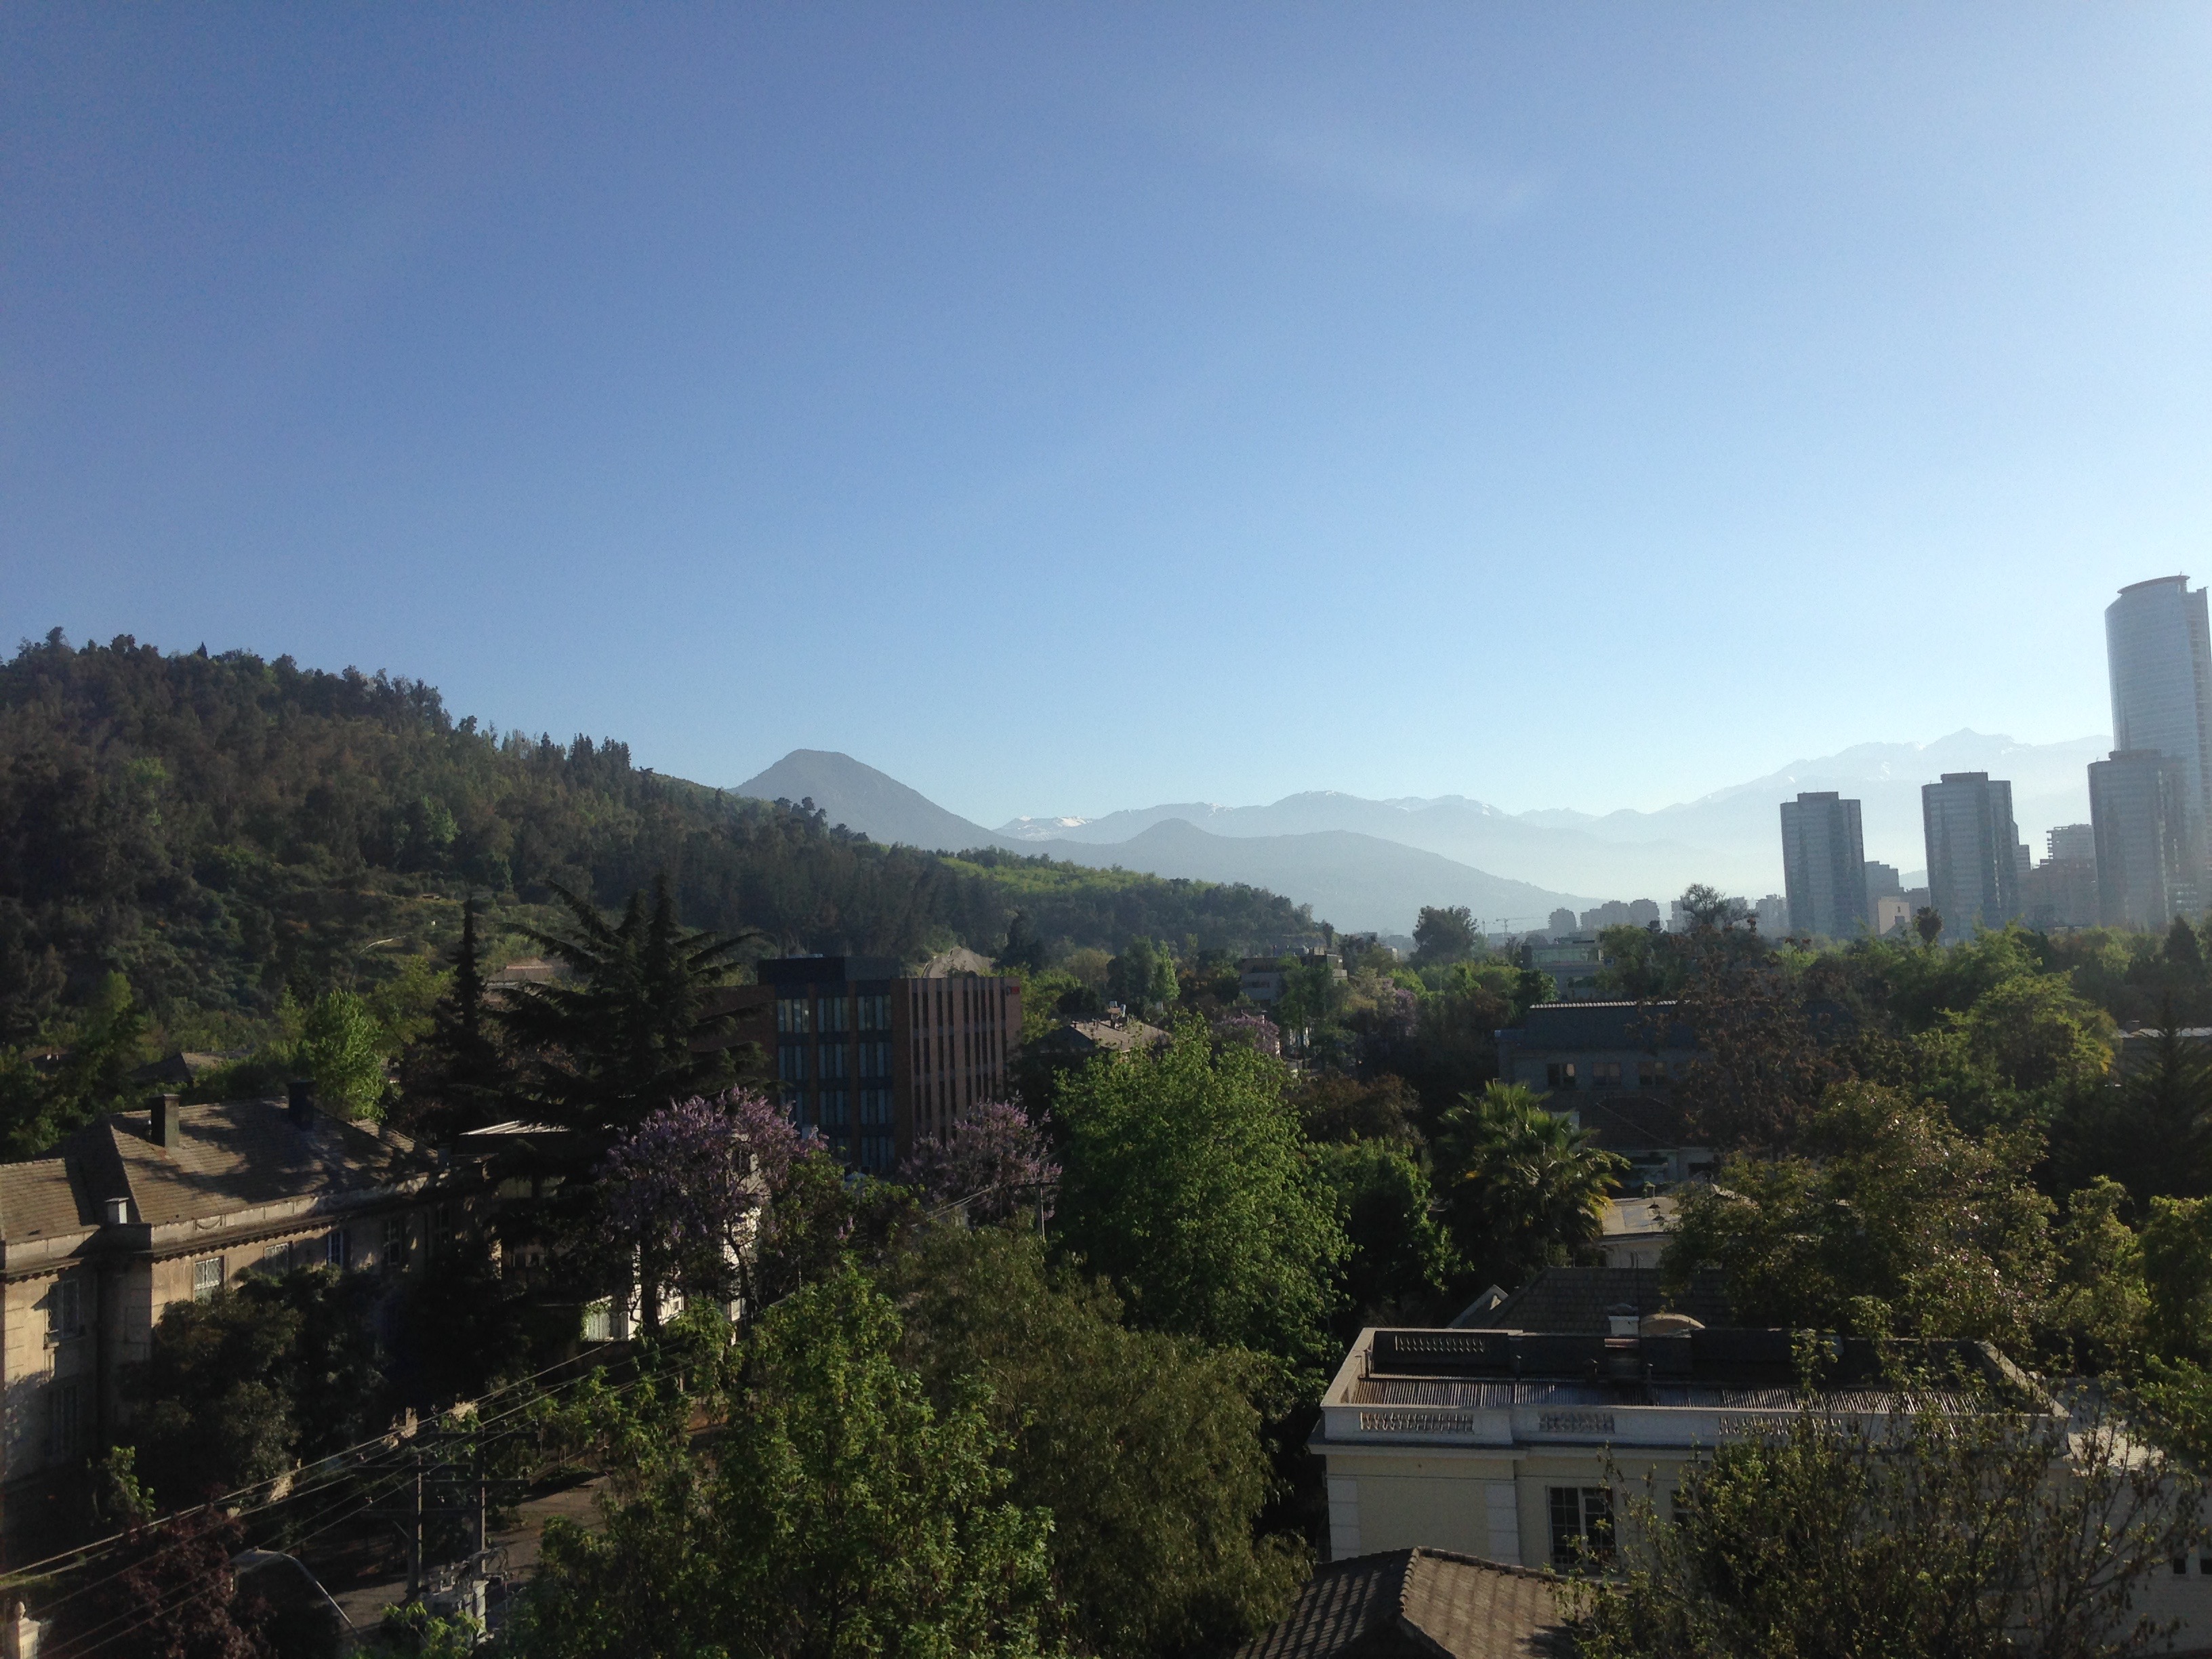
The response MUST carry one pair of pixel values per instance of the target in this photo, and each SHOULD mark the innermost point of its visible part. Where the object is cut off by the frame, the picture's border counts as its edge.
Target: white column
(1343, 1517)
(1503, 1505)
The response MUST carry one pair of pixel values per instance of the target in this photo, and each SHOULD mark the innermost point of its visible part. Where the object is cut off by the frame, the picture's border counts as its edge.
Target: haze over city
(1068, 412)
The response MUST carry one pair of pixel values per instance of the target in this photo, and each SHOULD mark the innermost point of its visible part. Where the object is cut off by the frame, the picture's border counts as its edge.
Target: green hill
(220, 828)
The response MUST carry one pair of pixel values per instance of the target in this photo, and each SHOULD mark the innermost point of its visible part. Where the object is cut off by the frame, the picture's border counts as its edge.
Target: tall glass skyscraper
(2158, 648)
(1973, 852)
(1823, 865)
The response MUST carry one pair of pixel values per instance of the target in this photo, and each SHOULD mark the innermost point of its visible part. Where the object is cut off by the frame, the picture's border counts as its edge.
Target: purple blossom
(994, 1159)
(692, 1178)
(1251, 1032)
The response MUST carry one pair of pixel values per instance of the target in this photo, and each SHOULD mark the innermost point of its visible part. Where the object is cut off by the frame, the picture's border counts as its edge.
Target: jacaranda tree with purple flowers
(993, 1158)
(689, 1192)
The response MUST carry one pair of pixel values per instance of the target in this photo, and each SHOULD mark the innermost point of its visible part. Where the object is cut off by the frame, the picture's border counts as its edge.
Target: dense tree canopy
(1187, 1179)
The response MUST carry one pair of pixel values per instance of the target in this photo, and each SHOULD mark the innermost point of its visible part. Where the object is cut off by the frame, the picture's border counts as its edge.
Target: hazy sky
(1072, 408)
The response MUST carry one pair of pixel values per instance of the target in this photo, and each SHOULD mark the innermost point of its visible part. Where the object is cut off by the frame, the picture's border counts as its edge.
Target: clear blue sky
(1069, 408)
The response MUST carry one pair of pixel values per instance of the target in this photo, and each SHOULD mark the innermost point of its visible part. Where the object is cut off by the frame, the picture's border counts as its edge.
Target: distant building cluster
(2139, 862)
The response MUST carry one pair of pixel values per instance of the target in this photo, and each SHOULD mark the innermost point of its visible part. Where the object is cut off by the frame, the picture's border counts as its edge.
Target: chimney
(301, 1095)
(168, 1128)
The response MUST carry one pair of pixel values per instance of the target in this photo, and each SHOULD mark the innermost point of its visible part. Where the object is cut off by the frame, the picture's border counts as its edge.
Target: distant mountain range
(1372, 864)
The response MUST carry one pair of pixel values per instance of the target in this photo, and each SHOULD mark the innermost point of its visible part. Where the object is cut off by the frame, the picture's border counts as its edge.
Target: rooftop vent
(168, 1125)
(299, 1095)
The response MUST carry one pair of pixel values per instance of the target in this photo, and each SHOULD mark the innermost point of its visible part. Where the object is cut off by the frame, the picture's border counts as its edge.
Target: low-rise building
(1506, 1443)
(1635, 1232)
(1572, 960)
(141, 1210)
(1611, 1067)
(1264, 979)
(1113, 1033)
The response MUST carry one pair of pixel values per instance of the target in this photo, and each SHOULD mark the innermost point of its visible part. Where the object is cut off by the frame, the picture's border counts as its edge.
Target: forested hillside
(221, 829)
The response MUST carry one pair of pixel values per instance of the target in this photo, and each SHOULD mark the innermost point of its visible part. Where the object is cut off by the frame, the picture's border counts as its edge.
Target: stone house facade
(141, 1210)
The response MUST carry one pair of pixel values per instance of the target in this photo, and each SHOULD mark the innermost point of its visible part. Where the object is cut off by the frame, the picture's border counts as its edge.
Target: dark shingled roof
(1649, 1025)
(1419, 1602)
(231, 1156)
(1576, 1299)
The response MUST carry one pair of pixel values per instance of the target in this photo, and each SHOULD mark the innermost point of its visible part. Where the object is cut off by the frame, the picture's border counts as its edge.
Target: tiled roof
(230, 1157)
(1419, 1602)
(38, 1199)
(1576, 1299)
(1104, 1036)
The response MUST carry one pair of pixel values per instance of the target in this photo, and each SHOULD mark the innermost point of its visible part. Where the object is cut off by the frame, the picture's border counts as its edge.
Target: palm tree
(1522, 1187)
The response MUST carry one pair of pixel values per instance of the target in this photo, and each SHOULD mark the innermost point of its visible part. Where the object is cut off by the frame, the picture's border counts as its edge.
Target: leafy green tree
(1145, 1448)
(1444, 934)
(2093, 1322)
(1522, 1188)
(259, 1376)
(1401, 1260)
(2177, 1260)
(1334, 1107)
(1946, 1539)
(2153, 1132)
(1889, 1218)
(40, 1103)
(630, 1030)
(837, 1512)
(1312, 996)
(1186, 1177)
(1144, 975)
(343, 1047)
(2023, 1049)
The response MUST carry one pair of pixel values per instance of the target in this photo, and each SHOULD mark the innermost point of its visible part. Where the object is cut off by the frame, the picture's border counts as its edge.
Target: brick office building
(875, 1060)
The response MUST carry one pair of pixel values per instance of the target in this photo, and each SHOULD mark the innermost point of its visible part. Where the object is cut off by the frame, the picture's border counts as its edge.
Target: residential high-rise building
(2150, 858)
(1823, 865)
(2072, 840)
(2158, 650)
(1973, 852)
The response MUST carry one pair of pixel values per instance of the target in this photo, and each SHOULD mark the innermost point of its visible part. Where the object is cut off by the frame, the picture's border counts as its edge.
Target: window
(837, 1016)
(876, 1153)
(1650, 1074)
(1560, 1074)
(1582, 1526)
(875, 1014)
(1605, 1074)
(337, 1249)
(395, 1243)
(64, 1419)
(276, 1258)
(793, 1016)
(791, 1063)
(207, 1277)
(875, 1109)
(835, 1108)
(599, 1321)
(875, 1060)
(64, 1310)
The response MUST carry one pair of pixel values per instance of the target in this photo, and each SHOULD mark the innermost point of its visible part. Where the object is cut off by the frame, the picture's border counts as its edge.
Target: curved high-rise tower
(2158, 648)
